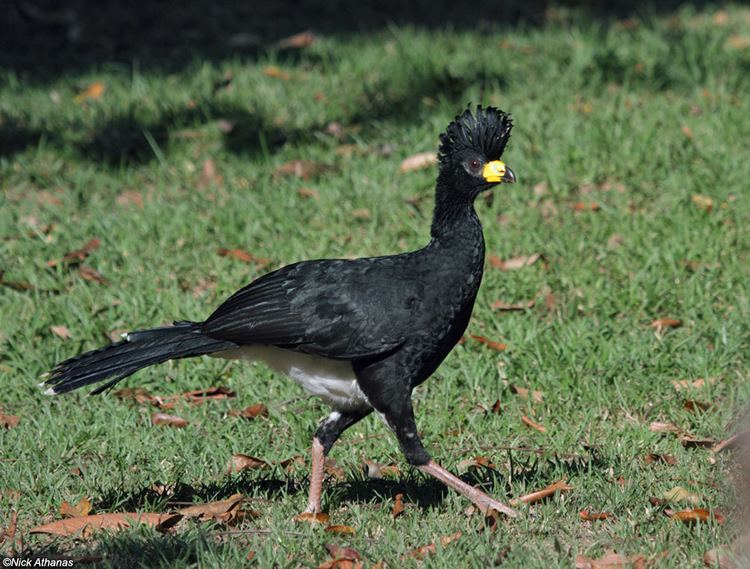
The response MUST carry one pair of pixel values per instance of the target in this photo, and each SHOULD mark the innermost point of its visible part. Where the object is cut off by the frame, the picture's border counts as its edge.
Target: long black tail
(137, 350)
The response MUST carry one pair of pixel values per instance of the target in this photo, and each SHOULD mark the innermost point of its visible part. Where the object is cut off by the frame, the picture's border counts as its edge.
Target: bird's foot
(487, 504)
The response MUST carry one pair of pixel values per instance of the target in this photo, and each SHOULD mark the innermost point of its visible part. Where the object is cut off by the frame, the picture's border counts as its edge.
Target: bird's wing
(343, 309)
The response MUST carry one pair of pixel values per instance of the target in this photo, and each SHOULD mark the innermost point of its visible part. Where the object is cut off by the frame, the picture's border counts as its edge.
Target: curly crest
(486, 130)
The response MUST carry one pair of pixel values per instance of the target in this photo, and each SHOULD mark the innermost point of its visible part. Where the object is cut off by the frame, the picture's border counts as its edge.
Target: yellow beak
(497, 172)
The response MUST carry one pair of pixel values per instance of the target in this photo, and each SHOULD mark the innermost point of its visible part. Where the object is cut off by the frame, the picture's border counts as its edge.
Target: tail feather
(138, 350)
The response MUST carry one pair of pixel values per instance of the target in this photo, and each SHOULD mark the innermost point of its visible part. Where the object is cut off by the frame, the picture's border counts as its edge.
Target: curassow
(360, 334)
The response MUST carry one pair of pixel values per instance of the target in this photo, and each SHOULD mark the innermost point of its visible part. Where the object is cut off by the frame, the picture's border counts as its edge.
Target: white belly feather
(331, 380)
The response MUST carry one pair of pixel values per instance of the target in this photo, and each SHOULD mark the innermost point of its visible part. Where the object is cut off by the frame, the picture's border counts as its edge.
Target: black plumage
(393, 319)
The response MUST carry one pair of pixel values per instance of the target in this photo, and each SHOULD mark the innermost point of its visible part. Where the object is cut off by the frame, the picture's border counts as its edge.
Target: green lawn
(165, 167)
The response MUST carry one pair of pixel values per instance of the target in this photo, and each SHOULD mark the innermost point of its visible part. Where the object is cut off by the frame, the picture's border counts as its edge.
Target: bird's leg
(329, 430)
(481, 500)
(398, 414)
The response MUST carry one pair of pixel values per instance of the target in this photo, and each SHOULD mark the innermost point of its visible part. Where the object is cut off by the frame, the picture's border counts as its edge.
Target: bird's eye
(474, 164)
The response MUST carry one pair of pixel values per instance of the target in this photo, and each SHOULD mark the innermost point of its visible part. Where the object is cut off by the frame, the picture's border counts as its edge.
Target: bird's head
(470, 151)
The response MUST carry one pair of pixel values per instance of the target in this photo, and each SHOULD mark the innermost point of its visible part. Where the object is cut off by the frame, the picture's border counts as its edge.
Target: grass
(637, 116)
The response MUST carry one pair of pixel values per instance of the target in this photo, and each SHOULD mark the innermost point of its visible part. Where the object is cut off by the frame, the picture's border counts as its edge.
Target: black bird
(361, 334)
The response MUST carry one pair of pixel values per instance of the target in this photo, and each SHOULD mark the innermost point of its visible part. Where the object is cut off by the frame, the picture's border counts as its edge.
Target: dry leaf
(362, 214)
(313, 518)
(586, 206)
(92, 92)
(588, 516)
(499, 346)
(539, 495)
(242, 255)
(729, 443)
(663, 323)
(703, 202)
(398, 506)
(695, 406)
(681, 384)
(82, 508)
(78, 255)
(92, 275)
(15, 285)
(688, 132)
(514, 263)
(504, 307)
(497, 408)
(739, 42)
(529, 423)
(297, 41)
(130, 197)
(611, 561)
(9, 421)
(425, 550)
(85, 525)
(61, 332)
(276, 73)
(308, 193)
(304, 169)
(524, 393)
(168, 420)
(138, 394)
(251, 412)
(689, 441)
(663, 458)
(378, 471)
(695, 515)
(341, 529)
(338, 552)
(418, 162)
(333, 470)
(222, 510)
(660, 427)
(240, 462)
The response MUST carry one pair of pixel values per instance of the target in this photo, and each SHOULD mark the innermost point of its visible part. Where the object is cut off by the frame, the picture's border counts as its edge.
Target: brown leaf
(695, 406)
(240, 462)
(661, 427)
(341, 529)
(304, 169)
(689, 441)
(313, 518)
(289, 464)
(703, 202)
(333, 470)
(15, 285)
(499, 346)
(663, 323)
(130, 197)
(729, 443)
(297, 41)
(168, 420)
(695, 515)
(588, 516)
(138, 394)
(611, 561)
(221, 510)
(738, 42)
(497, 408)
(86, 525)
(539, 495)
(586, 206)
(425, 550)
(418, 162)
(680, 494)
(529, 423)
(242, 255)
(92, 275)
(505, 307)
(308, 193)
(82, 508)
(92, 92)
(377, 470)
(78, 255)
(524, 393)
(398, 506)
(338, 552)
(61, 332)
(9, 421)
(663, 458)
(275, 72)
(514, 263)
(362, 214)
(687, 132)
(251, 412)
(699, 383)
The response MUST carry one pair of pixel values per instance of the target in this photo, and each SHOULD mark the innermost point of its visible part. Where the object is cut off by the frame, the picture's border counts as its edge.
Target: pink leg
(316, 477)
(481, 500)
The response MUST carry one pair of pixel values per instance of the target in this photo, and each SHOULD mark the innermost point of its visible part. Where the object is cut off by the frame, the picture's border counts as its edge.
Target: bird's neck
(454, 221)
